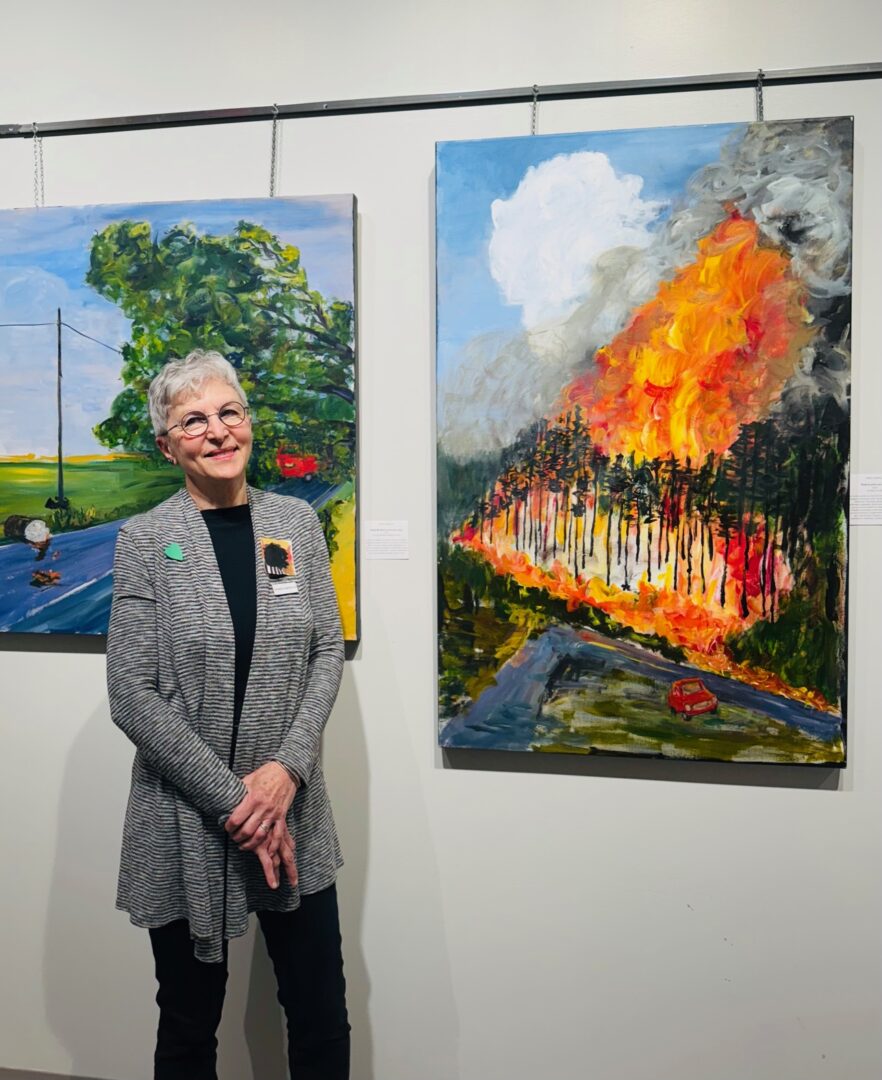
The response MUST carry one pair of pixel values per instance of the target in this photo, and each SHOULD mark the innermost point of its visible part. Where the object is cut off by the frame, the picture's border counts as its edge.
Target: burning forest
(687, 487)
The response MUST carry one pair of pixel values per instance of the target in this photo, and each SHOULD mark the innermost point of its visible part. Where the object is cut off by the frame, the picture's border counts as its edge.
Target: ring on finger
(264, 826)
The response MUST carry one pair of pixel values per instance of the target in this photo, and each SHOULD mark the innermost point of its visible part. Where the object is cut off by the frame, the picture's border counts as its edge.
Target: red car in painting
(691, 698)
(294, 466)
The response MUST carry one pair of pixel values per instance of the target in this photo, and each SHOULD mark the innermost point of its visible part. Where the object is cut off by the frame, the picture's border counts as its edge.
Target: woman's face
(221, 453)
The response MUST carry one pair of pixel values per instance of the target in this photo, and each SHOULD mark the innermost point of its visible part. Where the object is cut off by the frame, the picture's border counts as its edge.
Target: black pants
(304, 946)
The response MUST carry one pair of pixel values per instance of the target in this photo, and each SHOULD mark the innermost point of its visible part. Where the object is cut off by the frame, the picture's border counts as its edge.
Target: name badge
(284, 586)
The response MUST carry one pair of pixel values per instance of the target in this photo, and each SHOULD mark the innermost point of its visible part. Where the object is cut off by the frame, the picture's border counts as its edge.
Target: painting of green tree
(109, 294)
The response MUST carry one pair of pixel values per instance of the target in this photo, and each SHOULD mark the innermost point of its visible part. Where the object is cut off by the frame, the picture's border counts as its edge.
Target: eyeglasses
(194, 424)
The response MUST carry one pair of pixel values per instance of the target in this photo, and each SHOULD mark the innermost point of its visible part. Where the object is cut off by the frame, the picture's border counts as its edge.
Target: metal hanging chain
(39, 184)
(274, 152)
(534, 110)
(760, 112)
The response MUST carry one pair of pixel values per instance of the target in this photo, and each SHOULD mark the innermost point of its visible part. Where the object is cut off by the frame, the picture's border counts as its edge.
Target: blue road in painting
(507, 714)
(80, 603)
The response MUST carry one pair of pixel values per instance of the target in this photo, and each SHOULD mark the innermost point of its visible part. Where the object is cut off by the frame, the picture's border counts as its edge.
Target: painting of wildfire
(643, 438)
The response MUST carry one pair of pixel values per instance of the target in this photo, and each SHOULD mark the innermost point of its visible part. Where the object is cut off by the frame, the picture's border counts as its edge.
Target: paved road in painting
(81, 602)
(508, 715)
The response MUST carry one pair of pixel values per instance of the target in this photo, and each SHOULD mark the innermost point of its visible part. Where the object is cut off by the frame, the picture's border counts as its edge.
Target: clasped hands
(259, 822)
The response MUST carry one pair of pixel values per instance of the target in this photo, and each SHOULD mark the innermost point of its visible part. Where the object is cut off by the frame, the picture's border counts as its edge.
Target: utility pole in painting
(59, 502)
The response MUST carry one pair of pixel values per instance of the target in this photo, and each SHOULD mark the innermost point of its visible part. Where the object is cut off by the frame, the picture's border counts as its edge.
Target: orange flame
(685, 613)
(710, 352)
(682, 620)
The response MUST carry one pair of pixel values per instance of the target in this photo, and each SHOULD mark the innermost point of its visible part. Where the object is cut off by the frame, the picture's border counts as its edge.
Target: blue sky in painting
(471, 175)
(43, 261)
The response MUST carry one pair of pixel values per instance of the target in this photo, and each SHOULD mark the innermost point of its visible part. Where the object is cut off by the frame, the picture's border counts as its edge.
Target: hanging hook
(760, 112)
(534, 109)
(274, 152)
(39, 184)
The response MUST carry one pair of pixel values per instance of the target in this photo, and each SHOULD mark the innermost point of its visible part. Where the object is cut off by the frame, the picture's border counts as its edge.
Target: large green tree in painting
(247, 295)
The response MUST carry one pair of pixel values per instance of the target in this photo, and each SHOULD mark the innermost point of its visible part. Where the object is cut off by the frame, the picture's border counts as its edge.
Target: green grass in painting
(485, 617)
(476, 645)
(632, 717)
(99, 490)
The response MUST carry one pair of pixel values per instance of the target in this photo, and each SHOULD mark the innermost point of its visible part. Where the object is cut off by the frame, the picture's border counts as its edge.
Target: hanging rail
(513, 96)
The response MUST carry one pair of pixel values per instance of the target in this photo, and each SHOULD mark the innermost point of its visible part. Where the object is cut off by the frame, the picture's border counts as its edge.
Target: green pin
(175, 551)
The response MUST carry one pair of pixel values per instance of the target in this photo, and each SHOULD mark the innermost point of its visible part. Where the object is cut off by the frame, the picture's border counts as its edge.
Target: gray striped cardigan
(170, 677)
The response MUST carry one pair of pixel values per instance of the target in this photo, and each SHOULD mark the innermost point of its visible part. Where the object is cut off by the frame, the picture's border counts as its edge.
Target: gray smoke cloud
(793, 178)
(503, 383)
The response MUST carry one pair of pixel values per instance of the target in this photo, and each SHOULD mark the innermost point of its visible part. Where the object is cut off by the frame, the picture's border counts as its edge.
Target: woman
(222, 668)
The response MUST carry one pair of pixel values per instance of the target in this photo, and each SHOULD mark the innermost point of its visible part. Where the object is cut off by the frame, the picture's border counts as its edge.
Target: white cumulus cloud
(548, 235)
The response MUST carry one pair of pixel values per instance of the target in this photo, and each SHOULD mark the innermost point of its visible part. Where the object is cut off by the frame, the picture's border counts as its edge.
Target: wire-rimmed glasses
(194, 424)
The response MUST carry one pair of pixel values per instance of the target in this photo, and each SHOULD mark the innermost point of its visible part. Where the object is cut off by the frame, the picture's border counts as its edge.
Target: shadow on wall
(743, 774)
(349, 787)
(98, 968)
(405, 1023)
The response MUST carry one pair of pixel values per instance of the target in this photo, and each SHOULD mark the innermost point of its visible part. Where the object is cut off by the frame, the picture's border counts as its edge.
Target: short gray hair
(179, 377)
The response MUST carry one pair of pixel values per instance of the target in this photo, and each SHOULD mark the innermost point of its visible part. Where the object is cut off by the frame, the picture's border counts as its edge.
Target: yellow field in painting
(118, 485)
(75, 459)
(115, 485)
(343, 566)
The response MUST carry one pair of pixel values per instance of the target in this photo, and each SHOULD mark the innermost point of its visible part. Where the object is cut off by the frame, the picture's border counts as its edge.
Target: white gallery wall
(502, 919)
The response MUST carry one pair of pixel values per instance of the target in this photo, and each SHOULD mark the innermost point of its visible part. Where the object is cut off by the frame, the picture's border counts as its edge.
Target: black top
(233, 540)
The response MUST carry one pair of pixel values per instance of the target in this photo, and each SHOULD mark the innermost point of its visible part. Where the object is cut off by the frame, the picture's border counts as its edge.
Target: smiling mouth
(222, 453)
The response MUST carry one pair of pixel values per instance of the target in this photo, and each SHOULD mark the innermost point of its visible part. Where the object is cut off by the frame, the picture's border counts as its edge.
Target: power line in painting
(82, 333)
(28, 324)
(59, 501)
(90, 338)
